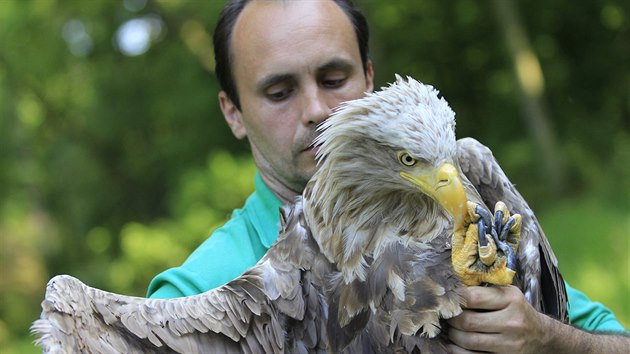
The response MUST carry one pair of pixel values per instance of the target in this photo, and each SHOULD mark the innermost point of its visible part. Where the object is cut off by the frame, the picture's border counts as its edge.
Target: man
(283, 67)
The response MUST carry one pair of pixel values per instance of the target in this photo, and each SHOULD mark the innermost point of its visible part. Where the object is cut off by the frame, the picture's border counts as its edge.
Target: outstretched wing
(537, 275)
(78, 318)
(272, 308)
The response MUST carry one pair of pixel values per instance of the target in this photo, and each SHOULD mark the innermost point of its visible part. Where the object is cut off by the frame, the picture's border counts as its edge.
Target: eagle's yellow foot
(492, 257)
(498, 274)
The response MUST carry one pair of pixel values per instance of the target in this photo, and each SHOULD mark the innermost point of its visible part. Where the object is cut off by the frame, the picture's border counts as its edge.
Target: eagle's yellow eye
(406, 159)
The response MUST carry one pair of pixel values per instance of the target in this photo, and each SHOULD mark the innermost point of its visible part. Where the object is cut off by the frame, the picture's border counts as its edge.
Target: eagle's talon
(506, 224)
(484, 215)
(515, 230)
(509, 253)
(498, 220)
(505, 230)
(487, 247)
(485, 223)
(479, 260)
(501, 215)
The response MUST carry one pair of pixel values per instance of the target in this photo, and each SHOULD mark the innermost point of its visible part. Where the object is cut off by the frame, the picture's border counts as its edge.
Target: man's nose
(316, 107)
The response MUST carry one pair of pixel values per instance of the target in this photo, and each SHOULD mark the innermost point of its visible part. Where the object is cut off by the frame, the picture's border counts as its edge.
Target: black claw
(484, 214)
(495, 236)
(498, 217)
(505, 230)
(503, 245)
(482, 233)
(484, 222)
(511, 256)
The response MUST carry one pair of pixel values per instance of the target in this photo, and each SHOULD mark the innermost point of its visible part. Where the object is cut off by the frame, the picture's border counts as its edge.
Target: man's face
(293, 63)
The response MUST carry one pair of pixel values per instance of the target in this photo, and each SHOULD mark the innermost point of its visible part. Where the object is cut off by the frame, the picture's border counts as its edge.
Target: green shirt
(245, 238)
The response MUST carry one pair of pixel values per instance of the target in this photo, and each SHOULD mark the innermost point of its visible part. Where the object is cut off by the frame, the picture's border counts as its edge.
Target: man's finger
(475, 321)
(453, 349)
(473, 341)
(490, 298)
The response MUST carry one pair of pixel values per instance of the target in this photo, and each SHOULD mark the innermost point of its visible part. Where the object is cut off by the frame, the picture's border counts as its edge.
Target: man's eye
(279, 95)
(333, 83)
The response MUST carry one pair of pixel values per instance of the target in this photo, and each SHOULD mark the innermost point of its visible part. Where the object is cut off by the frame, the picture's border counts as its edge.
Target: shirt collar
(265, 214)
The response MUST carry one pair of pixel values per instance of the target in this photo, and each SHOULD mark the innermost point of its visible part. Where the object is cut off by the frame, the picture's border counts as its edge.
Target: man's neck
(286, 194)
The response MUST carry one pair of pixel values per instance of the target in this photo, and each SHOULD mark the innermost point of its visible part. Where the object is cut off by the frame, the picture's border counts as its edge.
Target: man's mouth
(312, 148)
(314, 145)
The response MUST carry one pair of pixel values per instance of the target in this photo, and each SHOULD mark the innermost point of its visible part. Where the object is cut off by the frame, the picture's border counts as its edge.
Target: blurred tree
(115, 161)
(531, 88)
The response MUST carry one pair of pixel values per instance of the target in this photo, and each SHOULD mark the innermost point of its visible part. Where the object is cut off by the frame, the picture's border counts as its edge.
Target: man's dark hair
(225, 27)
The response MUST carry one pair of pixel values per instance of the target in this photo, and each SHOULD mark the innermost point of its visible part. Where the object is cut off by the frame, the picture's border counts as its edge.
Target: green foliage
(114, 167)
(590, 238)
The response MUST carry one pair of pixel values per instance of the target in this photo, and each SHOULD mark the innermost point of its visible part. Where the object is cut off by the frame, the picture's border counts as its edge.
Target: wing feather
(249, 314)
(538, 276)
(106, 322)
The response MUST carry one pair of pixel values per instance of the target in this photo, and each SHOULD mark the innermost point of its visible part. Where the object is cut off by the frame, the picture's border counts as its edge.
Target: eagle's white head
(407, 115)
(396, 140)
(387, 166)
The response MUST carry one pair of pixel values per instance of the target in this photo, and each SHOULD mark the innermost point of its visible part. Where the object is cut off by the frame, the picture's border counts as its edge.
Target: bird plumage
(362, 262)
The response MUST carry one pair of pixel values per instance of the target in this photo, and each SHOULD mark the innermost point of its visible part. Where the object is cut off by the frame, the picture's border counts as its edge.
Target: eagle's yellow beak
(444, 186)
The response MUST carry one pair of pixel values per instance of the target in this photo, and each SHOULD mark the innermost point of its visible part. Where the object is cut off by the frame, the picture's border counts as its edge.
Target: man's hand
(496, 319)
(499, 320)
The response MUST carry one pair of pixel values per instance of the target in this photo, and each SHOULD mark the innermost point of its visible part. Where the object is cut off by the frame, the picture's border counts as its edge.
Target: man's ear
(232, 116)
(369, 76)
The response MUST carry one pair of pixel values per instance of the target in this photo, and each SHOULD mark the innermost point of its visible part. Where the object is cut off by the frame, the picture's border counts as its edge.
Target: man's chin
(307, 172)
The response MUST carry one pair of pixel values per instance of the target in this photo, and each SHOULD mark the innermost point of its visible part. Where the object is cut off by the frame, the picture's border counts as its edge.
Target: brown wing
(272, 308)
(78, 318)
(538, 275)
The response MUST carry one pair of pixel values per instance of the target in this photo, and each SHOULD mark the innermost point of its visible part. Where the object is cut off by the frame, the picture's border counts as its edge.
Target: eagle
(372, 257)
